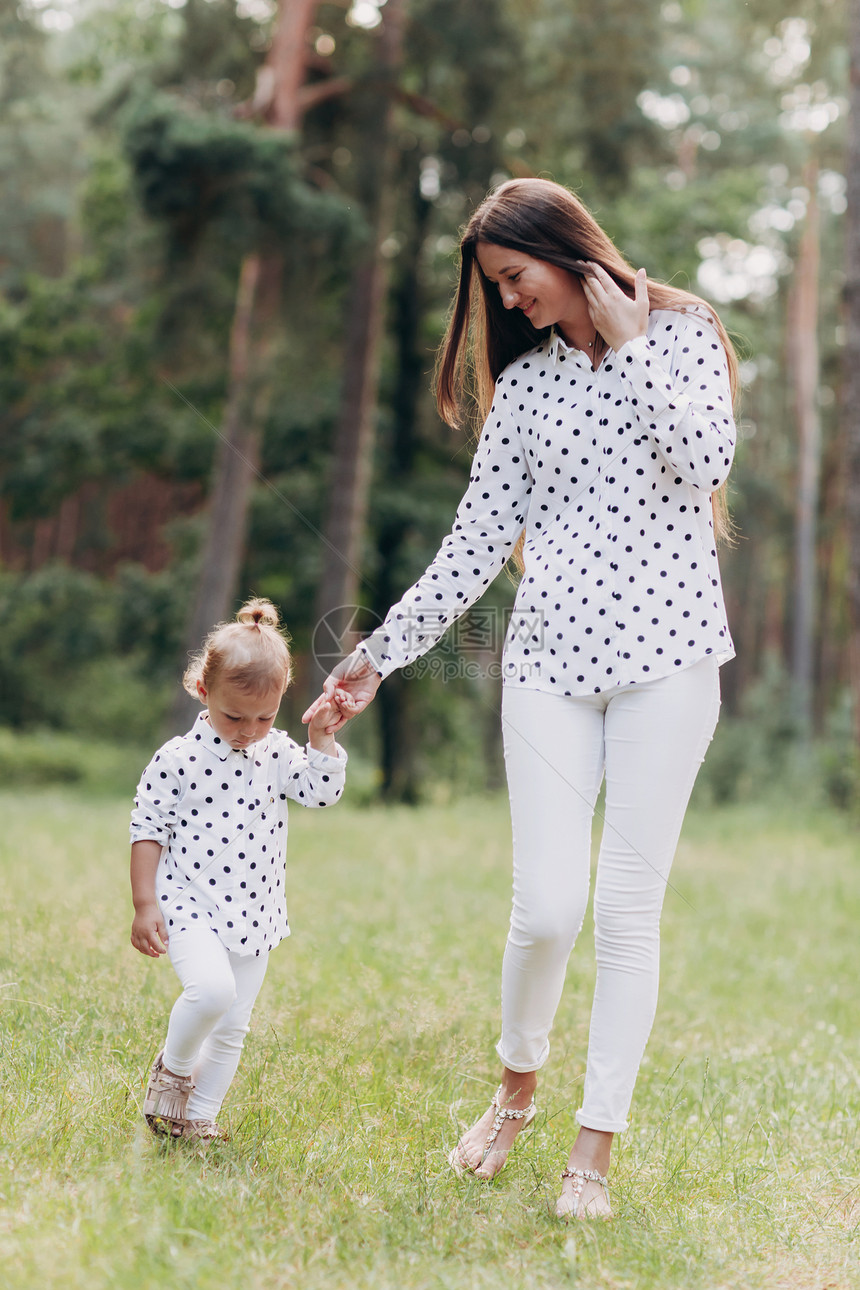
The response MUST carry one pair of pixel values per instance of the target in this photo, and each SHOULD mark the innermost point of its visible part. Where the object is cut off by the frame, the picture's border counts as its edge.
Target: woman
(609, 436)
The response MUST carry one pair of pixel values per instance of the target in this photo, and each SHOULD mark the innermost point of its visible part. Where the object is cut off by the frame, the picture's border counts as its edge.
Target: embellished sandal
(571, 1207)
(502, 1113)
(166, 1099)
(202, 1131)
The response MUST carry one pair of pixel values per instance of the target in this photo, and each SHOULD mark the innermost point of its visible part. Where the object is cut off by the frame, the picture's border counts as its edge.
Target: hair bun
(258, 613)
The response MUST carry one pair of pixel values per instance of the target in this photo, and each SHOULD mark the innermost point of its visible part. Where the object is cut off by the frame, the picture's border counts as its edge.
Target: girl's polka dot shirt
(610, 473)
(221, 816)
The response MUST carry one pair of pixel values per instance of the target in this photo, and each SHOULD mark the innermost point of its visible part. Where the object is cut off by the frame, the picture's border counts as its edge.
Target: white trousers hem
(518, 1068)
(606, 1126)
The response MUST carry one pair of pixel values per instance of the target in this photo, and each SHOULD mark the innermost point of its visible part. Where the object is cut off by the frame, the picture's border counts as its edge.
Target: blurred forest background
(227, 248)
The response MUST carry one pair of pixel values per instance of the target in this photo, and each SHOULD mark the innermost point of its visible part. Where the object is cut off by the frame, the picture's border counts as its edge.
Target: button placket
(603, 585)
(244, 829)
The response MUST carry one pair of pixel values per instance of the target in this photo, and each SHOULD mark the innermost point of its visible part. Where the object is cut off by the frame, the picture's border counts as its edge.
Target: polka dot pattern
(221, 816)
(610, 473)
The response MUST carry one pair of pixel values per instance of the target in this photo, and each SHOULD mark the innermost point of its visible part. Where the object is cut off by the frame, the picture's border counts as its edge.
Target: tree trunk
(851, 373)
(349, 482)
(286, 63)
(803, 349)
(237, 458)
(399, 763)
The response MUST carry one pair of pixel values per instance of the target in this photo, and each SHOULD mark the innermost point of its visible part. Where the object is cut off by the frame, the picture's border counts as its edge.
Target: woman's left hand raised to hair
(617, 317)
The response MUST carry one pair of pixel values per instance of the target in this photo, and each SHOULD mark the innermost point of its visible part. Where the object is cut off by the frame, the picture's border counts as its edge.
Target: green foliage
(79, 402)
(839, 757)
(134, 181)
(41, 129)
(661, 227)
(760, 753)
(194, 168)
(39, 758)
(79, 653)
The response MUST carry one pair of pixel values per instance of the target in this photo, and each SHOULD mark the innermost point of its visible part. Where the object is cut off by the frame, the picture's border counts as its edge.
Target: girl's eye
(515, 277)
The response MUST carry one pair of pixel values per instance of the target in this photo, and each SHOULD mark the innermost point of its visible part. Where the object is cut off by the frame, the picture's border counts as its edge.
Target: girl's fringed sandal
(166, 1099)
(502, 1113)
(203, 1131)
(572, 1207)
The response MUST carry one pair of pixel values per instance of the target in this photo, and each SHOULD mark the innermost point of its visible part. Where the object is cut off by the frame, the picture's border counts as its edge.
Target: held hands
(346, 692)
(148, 932)
(327, 715)
(617, 317)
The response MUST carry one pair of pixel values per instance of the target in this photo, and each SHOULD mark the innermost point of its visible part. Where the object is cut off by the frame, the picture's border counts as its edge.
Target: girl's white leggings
(209, 1021)
(649, 740)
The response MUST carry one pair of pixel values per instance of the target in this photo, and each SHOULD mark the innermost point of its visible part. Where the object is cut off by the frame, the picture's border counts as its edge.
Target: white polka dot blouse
(221, 816)
(610, 473)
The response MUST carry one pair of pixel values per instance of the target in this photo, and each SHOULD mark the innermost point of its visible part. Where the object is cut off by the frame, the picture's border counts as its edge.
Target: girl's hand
(350, 687)
(326, 714)
(148, 932)
(617, 317)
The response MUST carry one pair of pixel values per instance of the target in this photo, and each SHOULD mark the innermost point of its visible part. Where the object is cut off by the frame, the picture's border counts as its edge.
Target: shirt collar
(558, 351)
(203, 732)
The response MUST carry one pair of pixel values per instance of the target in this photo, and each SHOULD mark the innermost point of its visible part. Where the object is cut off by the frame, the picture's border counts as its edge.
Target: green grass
(373, 1038)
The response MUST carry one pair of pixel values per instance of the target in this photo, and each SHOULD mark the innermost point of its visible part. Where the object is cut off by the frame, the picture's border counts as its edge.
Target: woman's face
(547, 295)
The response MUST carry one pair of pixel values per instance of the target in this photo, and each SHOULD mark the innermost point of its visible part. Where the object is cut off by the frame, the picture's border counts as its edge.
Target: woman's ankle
(592, 1150)
(518, 1088)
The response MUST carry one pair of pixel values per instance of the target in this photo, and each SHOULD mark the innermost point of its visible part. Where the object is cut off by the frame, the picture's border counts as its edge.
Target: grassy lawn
(373, 1038)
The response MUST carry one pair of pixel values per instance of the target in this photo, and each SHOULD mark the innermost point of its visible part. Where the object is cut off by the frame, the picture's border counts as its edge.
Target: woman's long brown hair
(546, 221)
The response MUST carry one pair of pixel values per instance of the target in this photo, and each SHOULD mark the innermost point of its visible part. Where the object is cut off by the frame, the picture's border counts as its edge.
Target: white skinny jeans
(210, 1019)
(650, 740)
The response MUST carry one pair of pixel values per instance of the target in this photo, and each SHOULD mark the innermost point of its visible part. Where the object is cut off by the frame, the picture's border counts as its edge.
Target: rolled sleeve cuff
(373, 650)
(149, 833)
(322, 761)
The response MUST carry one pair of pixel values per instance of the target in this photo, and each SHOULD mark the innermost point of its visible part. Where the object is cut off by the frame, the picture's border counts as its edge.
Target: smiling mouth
(526, 309)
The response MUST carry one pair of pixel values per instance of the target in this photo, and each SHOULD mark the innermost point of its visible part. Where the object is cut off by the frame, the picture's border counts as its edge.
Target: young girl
(608, 437)
(208, 833)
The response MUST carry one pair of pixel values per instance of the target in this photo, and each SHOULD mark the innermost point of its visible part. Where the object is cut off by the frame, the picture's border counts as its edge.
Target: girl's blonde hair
(545, 220)
(252, 653)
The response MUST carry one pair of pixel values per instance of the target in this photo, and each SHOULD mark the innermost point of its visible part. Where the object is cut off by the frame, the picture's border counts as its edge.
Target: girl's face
(547, 295)
(237, 717)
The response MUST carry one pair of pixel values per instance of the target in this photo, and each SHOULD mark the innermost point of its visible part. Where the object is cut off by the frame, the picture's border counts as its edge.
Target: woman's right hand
(351, 686)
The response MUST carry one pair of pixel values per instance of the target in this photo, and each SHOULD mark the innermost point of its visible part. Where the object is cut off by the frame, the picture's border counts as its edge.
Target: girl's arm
(315, 775)
(148, 931)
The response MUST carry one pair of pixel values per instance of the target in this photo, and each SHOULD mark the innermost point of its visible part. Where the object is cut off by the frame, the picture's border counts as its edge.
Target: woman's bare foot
(478, 1152)
(586, 1197)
